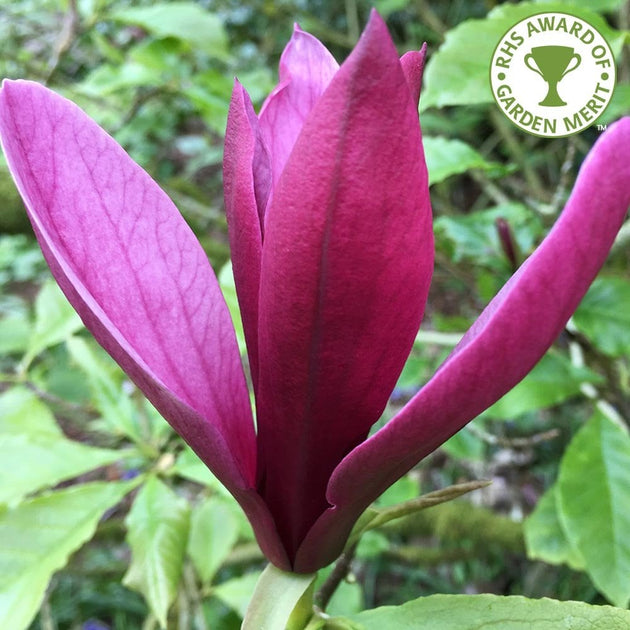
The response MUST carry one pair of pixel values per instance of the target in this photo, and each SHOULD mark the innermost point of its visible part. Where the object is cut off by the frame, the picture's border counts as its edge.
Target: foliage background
(84, 458)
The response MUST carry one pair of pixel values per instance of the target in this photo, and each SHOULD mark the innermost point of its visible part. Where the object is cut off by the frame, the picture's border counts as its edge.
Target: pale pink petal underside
(134, 271)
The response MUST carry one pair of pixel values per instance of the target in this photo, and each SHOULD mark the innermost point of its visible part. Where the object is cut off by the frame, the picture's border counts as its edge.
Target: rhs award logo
(553, 74)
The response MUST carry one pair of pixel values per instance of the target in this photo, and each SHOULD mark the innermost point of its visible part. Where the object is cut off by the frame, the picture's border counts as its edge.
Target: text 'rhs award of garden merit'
(553, 74)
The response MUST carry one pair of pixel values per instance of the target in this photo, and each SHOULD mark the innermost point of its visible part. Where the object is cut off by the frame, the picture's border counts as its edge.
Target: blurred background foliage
(83, 457)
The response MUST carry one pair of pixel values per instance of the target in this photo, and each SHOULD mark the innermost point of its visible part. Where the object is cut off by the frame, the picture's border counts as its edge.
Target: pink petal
(510, 336)
(347, 260)
(306, 69)
(247, 182)
(413, 67)
(134, 271)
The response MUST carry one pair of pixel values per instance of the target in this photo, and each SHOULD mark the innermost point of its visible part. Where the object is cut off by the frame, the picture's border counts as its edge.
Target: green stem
(280, 600)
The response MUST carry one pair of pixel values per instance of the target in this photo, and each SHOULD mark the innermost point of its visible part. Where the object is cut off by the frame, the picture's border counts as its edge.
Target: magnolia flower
(330, 229)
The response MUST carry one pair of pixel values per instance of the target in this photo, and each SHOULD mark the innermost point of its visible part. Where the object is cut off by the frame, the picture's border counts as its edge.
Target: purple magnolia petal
(306, 69)
(412, 64)
(246, 183)
(134, 271)
(347, 260)
(507, 340)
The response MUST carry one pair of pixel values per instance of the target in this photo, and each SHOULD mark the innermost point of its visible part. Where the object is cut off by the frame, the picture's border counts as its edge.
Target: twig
(519, 442)
(514, 146)
(352, 19)
(65, 39)
(340, 571)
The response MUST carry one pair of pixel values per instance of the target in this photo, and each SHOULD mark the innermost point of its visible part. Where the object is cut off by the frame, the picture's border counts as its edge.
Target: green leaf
(544, 536)
(479, 612)
(189, 466)
(553, 380)
(55, 320)
(619, 104)
(604, 315)
(157, 533)
(15, 332)
(37, 538)
(474, 236)
(22, 413)
(213, 532)
(465, 445)
(276, 597)
(454, 76)
(593, 5)
(450, 157)
(105, 380)
(594, 503)
(29, 463)
(186, 21)
(237, 592)
(228, 288)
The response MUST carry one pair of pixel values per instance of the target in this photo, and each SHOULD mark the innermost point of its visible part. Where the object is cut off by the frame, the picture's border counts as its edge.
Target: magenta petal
(413, 67)
(134, 271)
(306, 69)
(347, 260)
(507, 340)
(247, 181)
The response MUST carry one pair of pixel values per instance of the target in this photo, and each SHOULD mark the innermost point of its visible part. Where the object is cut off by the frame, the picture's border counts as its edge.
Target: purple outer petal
(412, 64)
(306, 69)
(507, 340)
(136, 274)
(347, 260)
(246, 183)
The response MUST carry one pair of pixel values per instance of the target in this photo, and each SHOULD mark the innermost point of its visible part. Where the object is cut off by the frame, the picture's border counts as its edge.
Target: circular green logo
(553, 74)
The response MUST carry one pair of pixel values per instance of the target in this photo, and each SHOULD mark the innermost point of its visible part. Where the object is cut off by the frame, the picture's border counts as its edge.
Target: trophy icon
(552, 63)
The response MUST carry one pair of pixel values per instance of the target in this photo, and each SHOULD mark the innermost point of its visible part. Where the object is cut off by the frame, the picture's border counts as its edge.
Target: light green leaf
(593, 5)
(544, 536)
(237, 592)
(213, 532)
(450, 157)
(465, 445)
(157, 533)
(186, 21)
(454, 76)
(479, 612)
(189, 466)
(29, 463)
(55, 320)
(15, 332)
(22, 413)
(604, 315)
(553, 380)
(105, 381)
(594, 503)
(37, 538)
(228, 288)
(405, 489)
